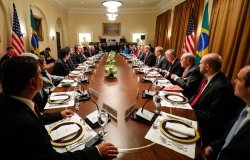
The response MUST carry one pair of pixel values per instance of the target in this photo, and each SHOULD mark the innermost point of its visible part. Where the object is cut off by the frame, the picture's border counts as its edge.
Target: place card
(130, 110)
(112, 112)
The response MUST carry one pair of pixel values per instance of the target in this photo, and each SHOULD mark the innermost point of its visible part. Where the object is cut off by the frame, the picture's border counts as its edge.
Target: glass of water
(103, 120)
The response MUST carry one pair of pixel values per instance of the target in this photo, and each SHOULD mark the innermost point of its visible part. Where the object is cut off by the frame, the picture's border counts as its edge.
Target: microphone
(145, 93)
(97, 107)
(144, 115)
(144, 79)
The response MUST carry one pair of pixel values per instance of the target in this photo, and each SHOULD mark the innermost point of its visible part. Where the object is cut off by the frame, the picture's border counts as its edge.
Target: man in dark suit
(191, 77)
(149, 57)
(47, 56)
(78, 56)
(9, 54)
(61, 67)
(161, 61)
(174, 65)
(214, 103)
(235, 143)
(22, 127)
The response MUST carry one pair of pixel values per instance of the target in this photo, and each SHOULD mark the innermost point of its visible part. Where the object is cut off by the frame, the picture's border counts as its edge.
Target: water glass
(103, 120)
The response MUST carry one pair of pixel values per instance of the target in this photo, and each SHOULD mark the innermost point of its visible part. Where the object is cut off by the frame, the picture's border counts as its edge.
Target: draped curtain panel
(230, 34)
(162, 29)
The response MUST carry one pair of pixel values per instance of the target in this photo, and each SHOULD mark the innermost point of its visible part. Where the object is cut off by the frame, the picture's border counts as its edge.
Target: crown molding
(161, 6)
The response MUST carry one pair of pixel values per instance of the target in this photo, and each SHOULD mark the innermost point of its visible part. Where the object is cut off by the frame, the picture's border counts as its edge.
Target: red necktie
(199, 93)
(145, 58)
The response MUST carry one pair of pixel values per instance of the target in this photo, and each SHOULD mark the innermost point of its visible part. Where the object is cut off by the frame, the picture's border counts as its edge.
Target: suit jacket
(61, 68)
(239, 146)
(4, 59)
(150, 59)
(162, 63)
(174, 68)
(25, 136)
(71, 64)
(191, 81)
(216, 107)
(140, 56)
(50, 81)
(78, 58)
(41, 99)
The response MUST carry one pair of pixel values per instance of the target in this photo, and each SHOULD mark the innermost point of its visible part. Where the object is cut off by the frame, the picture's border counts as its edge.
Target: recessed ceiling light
(82, 2)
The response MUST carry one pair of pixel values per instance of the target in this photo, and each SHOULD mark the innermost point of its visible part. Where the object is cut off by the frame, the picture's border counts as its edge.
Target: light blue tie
(236, 125)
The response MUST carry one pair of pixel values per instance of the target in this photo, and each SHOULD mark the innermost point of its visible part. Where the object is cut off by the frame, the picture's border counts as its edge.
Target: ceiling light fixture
(112, 16)
(112, 5)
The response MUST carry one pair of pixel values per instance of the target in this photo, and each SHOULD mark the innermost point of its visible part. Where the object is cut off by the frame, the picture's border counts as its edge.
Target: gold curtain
(230, 34)
(162, 29)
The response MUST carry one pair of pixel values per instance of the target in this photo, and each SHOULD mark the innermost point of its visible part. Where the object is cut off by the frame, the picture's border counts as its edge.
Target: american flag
(17, 36)
(189, 39)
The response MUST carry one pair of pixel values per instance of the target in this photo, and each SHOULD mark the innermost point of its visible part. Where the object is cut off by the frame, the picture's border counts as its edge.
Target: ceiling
(96, 5)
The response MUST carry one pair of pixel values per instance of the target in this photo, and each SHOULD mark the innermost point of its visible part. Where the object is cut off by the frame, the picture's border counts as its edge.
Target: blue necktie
(236, 125)
(41, 94)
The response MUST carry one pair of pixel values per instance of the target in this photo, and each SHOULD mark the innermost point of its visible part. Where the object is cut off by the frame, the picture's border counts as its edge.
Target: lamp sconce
(52, 35)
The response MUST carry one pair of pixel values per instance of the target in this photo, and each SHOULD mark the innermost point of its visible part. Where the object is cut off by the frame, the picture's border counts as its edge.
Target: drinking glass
(77, 95)
(103, 120)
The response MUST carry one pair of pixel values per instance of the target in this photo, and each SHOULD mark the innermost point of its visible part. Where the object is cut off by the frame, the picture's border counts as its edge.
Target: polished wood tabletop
(119, 93)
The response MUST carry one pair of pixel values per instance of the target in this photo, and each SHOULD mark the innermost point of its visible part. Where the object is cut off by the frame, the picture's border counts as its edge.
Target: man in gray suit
(49, 81)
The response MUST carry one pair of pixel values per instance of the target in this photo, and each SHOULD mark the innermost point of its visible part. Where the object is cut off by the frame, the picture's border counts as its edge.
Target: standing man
(191, 77)
(214, 103)
(23, 126)
(9, 54)
(47, 56)
(235, 143)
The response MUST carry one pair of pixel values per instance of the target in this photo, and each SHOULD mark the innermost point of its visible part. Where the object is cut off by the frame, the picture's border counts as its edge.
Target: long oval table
(119, 93)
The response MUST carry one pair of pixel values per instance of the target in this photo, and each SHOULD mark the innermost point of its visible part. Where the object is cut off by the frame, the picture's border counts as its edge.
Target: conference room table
(119, 93)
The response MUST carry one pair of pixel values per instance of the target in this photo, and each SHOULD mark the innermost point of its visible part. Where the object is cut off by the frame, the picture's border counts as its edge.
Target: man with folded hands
(22, 127)
(235, 142)
(191, 77)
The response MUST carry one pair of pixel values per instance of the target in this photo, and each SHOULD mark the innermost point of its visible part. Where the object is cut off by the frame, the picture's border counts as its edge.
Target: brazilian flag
(204, 37)
(34, 37)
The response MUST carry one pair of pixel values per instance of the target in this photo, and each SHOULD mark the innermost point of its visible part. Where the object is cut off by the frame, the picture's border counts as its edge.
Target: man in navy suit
(191, 77)
(22, 127)
(174, 65)
(61, 67)
(149, 57)
(214, 103)
(237, 145)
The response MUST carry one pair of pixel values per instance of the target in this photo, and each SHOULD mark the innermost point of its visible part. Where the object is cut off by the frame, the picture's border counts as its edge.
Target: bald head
(213, 60)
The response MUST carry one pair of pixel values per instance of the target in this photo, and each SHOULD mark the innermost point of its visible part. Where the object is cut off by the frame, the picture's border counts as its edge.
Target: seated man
(214, 103)
(191, 76)
(61, 67)
(49, 81)
(161, 61)
(174, 65)
(23, 125)
(47, 56)
(235, 143)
